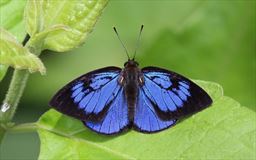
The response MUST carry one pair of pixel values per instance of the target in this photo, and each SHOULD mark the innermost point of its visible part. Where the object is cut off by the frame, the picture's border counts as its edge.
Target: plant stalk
(14, 93)
(22, 128)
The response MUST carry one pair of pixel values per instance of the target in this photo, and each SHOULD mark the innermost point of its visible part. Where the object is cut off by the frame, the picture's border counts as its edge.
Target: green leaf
(61, 25)
(223, 131)
(11, 12)
(12, 53)
(11, 19)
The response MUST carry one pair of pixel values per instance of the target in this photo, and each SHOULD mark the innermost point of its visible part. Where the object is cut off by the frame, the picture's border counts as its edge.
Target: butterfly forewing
(89, 96)
(172, 95)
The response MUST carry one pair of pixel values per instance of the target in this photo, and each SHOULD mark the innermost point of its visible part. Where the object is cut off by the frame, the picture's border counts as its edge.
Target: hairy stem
(14, 93)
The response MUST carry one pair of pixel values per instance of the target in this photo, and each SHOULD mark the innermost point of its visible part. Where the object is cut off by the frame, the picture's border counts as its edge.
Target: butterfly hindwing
(146, 118)
(172, 95)
(89, 96)
(116, 118)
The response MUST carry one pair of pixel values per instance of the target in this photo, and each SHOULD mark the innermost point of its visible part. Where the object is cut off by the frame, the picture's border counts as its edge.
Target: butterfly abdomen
(131, 96)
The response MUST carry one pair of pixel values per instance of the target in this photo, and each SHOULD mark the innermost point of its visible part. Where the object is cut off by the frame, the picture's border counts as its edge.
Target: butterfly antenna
(126, 51)
(138, 42)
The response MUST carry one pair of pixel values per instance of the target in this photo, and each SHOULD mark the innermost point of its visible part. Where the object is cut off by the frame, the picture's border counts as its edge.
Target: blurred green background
(208, 40)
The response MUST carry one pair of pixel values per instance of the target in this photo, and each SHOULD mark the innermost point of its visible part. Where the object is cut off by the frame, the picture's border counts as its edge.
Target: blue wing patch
(146, 118)
(171, 94)
(89, 96)
(116, 118)
(94, 97)
(163, 94)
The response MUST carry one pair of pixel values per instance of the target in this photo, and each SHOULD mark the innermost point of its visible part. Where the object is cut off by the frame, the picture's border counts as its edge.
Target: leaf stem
(25, 127)
(14, 93)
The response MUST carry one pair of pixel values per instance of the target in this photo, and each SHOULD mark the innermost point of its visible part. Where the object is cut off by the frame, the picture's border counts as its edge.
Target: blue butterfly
(111, 99)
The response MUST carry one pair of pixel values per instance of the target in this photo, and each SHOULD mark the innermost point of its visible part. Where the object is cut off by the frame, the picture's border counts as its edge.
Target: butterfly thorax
(131, 79)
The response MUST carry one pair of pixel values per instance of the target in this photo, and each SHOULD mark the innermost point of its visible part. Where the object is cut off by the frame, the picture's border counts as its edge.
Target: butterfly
(110, 100)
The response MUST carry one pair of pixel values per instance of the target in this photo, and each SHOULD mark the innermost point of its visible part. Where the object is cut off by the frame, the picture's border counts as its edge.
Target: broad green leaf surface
(12, 53)
(223, 131)
(11, 17)
(61, 25)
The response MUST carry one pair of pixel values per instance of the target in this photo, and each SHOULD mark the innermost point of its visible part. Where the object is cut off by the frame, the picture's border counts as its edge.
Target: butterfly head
(131, 63)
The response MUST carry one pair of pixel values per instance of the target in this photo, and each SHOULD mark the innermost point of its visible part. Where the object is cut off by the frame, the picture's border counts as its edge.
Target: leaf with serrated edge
(78, 17)
(12, 53)
(223, 131)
